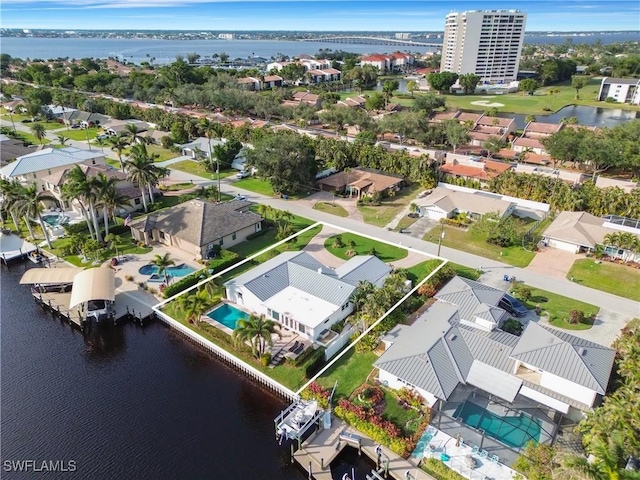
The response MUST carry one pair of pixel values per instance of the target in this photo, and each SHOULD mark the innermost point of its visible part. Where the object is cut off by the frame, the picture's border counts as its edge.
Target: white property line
(157, 308)
(371, 327)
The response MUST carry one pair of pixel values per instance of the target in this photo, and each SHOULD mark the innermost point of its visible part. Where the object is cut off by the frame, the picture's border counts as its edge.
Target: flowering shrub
(410, 397)
(316, 392)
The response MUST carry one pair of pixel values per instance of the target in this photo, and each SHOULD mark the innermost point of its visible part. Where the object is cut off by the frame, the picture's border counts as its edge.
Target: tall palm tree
(12, 191)
(140, 170)
(194, 305)
(361, 293)
(108, 197)
(154, 173)
(77, 186)
(257, 330)
(608, 462)
(133, 134)
(118, 145)
(30, 206)
(163, 262)
(38, 131)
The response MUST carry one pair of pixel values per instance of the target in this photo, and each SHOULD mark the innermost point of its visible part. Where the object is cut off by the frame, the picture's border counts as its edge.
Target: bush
(337, 242)
(225, 259)
(512, 326)
(315, 392)
(76, 228)
(118, 229)
(439, 470)
(265, 359)
(182, 284)
(314, 360)
(576, 317)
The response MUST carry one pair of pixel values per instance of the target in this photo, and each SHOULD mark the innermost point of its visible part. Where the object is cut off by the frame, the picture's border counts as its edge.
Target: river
(165, 51)
(126, 402)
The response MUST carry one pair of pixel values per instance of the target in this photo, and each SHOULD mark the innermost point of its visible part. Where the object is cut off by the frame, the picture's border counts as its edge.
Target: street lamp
(441, 237)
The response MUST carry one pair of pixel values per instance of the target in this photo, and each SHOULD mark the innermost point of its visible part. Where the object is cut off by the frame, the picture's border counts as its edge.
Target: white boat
(35, 257)
(296, 420)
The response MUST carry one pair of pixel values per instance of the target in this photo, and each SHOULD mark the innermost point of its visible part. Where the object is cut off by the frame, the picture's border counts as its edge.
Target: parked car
(513, 306)
(102, 136)
(243, 174)
(240, 197)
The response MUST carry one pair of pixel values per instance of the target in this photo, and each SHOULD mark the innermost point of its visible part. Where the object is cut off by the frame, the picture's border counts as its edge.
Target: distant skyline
(291, 15)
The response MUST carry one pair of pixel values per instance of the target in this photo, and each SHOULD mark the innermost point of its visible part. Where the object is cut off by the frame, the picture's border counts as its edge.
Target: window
(161, 235)
(275, 315)
(221, 242)
(233, 236)
(301, 328)
(258, 227)
(137, 201)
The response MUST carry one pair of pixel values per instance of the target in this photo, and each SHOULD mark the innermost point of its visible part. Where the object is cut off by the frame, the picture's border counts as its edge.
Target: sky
(303, 15)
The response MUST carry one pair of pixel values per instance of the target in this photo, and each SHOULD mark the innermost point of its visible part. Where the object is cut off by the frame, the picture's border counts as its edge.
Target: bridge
(363, 40)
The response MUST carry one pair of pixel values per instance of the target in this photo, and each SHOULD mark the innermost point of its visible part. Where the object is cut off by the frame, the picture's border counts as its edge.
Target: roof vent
(452, 337)
(319, 269)
(582, 351)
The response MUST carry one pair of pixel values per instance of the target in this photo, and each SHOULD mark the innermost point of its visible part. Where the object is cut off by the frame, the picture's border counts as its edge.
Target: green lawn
(176, 187)
(406, 419)
(125, 247)
(559, 308)
(331, 208)
(620, 280)
(385, 252)
(30, 138)
(256, 185)
(466, 272)
(421, 270)
(163, 153)
(405, 222)
(350, 372)
(390, 207)
(114, 163)
(80, 134)
(475, 244)
(192, 167)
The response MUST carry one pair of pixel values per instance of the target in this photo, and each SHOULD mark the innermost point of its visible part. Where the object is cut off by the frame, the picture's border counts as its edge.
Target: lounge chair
(294, 346)
(475, 449)
(299, 349)
(484, 454)
(495, 458)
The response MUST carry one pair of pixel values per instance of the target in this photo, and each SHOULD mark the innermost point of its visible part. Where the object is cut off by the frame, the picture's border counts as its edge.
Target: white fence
(226, 357)
(339, 342)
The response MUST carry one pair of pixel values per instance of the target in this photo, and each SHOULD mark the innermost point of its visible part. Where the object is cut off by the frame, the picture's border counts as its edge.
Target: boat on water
(297, 418)
(35, 257)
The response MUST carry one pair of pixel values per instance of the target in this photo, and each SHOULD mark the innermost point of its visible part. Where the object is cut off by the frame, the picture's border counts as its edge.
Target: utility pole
(441, 237)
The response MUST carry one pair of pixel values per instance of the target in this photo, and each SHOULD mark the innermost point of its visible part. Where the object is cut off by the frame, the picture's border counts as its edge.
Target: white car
(243, 174)
(240, 197)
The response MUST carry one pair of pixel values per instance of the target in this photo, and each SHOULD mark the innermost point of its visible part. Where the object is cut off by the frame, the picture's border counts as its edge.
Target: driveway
(349, 204)
(316, 249)
(553, 262)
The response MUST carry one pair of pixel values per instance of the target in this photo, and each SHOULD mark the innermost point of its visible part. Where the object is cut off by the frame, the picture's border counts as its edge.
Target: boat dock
(319, 450)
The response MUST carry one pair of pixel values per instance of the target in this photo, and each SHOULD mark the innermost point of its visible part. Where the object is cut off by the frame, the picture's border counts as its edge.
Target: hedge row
(225, 259)
(182, 284)
(439, 470)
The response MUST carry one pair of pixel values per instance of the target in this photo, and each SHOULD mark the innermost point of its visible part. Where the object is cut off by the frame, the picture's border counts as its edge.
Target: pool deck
(445, 444)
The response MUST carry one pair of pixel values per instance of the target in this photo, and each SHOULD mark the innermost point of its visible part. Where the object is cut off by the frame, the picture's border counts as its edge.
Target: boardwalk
(322, 448)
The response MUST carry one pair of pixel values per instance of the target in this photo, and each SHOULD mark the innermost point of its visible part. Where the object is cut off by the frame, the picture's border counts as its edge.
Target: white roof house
(300, 293)
(32, 167)
(199, 147)
(442, 351)
(445, 203)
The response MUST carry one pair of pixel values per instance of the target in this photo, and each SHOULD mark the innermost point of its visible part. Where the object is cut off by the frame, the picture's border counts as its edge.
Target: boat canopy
(93, 284)
(49, 275)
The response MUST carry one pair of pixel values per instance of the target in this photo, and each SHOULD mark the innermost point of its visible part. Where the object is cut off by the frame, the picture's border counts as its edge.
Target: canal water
(126, 402)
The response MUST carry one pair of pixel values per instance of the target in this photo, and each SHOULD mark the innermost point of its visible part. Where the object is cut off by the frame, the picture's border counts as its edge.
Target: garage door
(560, 245)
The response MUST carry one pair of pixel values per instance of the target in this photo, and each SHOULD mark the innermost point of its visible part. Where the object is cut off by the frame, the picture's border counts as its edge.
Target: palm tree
(257, 331)
(118, 144)
(81, 188)
(140, 170)
(154, 174)
(194, 305)
(62, 140)
(133, 134)
(12, 191)
(163, 262)
(361, 293)
(38, 131)
(109, 198)
(608, 462)
(30, 206)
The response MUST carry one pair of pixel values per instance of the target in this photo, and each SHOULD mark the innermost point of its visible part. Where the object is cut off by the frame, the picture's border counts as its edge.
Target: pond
(592, 116)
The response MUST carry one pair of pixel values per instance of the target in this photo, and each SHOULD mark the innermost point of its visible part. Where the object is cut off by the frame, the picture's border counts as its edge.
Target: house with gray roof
(301, 294)
(446, 203)
(11, 148)
(198, 226)
(199, 148)
(441, 352)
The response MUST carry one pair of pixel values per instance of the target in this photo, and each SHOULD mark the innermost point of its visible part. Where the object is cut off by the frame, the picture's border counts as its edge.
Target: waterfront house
(33, 167)
(533, 132)
(198, 227)
(456, 350)
(446, 203)
(302, 295)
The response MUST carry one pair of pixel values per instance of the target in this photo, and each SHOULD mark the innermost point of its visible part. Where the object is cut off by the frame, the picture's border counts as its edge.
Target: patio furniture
(470, 462)
(444, 457)
(484, 454)
(475, 449)
(495, 458)
(294, 346)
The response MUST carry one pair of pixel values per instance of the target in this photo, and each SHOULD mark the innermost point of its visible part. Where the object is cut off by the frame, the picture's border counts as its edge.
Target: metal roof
(494, 380)
(567, 356)
(473, 299)
(48, 158)
(304, 272)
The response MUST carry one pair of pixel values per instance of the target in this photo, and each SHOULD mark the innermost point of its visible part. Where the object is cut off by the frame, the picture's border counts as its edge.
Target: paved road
(561, 286)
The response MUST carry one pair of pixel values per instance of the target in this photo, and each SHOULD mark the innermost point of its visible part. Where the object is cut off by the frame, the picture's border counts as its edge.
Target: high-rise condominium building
(485, 42)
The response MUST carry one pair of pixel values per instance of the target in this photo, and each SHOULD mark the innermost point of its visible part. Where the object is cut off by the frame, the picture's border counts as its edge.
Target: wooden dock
(319, 450)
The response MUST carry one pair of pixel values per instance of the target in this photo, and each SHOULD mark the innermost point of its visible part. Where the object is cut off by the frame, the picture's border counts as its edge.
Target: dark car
(513, 306)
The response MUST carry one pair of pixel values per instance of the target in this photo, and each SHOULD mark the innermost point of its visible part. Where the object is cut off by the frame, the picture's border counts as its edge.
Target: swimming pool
(176, 271)
(55, 219)
(421, 446)
(514, 431)
(227, 315)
